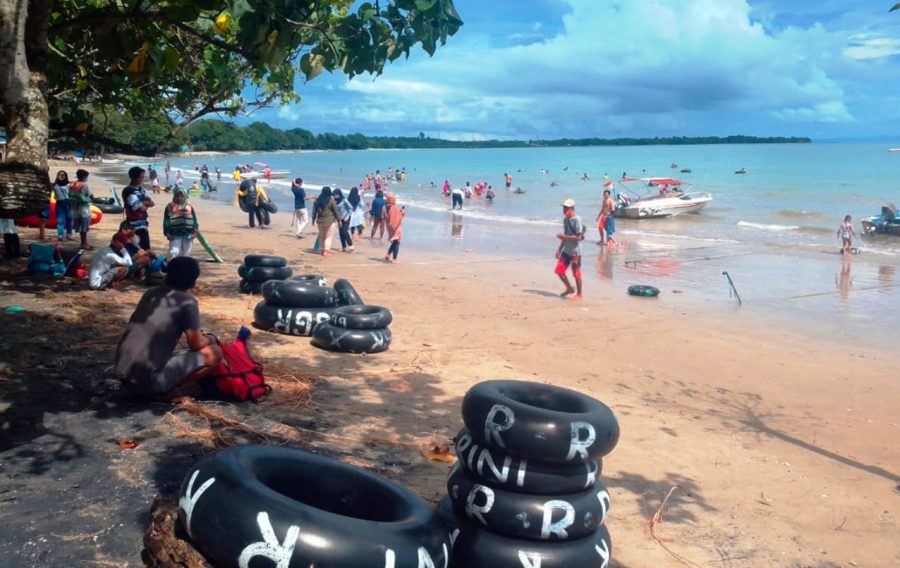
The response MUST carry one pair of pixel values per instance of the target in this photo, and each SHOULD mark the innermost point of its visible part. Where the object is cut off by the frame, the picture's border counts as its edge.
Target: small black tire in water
(289, 321)
(362, 317)
(477, 548)
(540, 422)
(645, 291)
(347, 293)
(316, 279)
(248, 287)
(263, 273)
(265, 260)
(346, 340)
(511, 473)
(256, 506)
(528, 516)
(298, 294)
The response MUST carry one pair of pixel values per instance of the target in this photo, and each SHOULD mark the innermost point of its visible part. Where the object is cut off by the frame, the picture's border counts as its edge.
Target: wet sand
(780, 441)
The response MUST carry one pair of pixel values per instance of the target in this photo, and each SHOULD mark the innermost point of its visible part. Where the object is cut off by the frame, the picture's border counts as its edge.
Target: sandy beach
(779, 448)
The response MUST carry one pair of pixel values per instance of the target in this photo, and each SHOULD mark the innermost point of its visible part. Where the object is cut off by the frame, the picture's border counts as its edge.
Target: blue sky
(828, 69)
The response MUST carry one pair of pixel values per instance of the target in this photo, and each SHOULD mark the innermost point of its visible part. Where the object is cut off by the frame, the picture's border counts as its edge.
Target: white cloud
(642, 67)
(289, 112)
(872, 48)
(830, 112)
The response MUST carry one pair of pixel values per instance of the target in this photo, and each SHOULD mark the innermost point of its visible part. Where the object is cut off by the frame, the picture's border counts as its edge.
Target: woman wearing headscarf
(63, 209)
(346, 211)
(393, 217)
(358, 214)
(325, 215)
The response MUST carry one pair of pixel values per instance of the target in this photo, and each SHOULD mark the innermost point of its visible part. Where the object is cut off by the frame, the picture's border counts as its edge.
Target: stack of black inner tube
(260, 268)
(355, 329)
(524, 491)
(298, 305)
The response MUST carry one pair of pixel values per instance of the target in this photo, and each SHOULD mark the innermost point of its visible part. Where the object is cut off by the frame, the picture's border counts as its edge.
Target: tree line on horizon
(222, 135)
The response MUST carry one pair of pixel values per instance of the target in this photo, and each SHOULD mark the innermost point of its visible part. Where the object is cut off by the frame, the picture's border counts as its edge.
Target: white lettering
(583, 435)
(269, 548)
(303, 321)
(492, 429)
(473, 510)
(557, 528)
(603, 553)
(463, 443)
(470, 461)
(593, 469)
(282, 321)
(605, 504)
(486, 457)
(390, 558)
(189, 499)
(425, 560)
(530, 559)
(520, 478)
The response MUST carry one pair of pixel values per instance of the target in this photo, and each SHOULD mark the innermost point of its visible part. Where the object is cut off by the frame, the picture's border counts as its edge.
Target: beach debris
(162, 544)
(439, 453)
(733, 290)
(13, 309)
(128, 444)
(656, 519)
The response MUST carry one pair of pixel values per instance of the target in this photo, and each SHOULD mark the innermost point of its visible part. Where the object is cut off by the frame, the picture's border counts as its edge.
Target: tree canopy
(66, 65)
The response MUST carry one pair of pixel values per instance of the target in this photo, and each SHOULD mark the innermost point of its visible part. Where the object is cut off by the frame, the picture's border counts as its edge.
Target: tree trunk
(24, 180)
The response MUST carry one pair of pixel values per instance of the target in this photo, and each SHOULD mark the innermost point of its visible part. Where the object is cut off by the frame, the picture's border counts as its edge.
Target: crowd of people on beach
(347, 215)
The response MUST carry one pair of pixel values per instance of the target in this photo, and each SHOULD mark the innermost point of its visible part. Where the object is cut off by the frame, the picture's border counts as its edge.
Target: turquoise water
(792, 194)
(772, 229)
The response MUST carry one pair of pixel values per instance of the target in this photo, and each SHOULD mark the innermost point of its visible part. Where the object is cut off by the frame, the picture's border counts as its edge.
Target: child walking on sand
(393, 218)
(846, 233)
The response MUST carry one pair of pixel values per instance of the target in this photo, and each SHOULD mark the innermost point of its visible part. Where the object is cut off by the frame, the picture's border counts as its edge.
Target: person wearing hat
(569, 251)
(137, 202)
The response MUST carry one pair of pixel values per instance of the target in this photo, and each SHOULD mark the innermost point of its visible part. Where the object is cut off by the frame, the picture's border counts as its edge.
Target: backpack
(46, 258)
(242, 379)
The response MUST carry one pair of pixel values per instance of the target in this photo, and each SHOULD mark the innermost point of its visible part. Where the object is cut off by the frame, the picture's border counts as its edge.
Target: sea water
(772, 228)
(791, 194)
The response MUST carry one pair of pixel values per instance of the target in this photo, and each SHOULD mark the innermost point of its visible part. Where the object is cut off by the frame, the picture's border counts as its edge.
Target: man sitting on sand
(109, 265)
(146, 360)
(569, 251)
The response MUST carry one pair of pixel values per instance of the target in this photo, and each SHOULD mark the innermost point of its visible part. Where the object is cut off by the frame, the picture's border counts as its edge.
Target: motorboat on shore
(885, 224)
(665, 198)
(274, 174)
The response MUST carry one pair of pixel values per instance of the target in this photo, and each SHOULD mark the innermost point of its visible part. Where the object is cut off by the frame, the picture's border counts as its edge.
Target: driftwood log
(165, 542)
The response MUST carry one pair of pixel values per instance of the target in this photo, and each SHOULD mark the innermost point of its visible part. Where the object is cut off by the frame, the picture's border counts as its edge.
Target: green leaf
(312, 65)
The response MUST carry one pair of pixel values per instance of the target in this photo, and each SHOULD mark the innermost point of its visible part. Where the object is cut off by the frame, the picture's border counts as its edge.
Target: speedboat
(666, 199)
(274, 174)
(886, 224)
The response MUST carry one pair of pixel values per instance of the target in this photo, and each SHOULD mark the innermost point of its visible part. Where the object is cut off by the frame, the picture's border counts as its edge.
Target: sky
(547, 69)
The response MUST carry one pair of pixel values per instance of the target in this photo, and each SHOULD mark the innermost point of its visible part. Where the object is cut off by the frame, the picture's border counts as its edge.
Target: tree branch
(99, 17)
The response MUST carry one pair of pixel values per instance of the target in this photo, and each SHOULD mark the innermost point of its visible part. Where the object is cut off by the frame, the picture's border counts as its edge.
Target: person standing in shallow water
(846, 234)
(569, 251)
